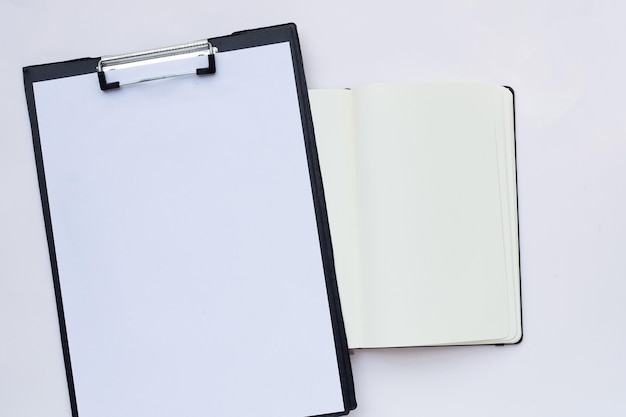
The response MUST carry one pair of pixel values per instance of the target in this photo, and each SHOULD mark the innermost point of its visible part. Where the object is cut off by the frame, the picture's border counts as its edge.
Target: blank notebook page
(432, 252)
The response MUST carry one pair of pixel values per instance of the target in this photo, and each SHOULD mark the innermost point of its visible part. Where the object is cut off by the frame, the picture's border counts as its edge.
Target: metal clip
(187, 50)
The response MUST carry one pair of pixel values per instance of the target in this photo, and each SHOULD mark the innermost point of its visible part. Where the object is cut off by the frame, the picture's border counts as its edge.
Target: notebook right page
(435, 236)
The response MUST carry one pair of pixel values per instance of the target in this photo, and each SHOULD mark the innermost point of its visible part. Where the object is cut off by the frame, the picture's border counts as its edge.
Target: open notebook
(421, 193)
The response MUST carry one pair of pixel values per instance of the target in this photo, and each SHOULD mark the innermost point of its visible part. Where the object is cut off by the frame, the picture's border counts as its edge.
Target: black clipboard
(154, 243)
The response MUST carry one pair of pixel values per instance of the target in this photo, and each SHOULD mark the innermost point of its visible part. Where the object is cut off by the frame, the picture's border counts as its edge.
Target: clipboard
(187, 231)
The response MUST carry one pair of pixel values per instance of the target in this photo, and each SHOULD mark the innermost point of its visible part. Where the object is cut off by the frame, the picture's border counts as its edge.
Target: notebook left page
(333, 114)
(187, 245)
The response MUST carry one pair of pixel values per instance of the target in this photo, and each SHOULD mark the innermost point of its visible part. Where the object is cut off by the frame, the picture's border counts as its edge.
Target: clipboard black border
(237, 40)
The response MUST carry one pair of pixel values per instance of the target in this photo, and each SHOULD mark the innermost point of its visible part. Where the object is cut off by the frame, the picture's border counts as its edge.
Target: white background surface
(566, 62)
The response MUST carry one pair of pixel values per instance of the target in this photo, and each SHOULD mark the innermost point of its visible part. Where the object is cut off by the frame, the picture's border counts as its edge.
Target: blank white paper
(187, 245)
(431, 224)
(334, 135)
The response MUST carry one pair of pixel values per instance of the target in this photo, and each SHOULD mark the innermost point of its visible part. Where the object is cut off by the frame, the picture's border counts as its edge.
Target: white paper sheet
(187, 244)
